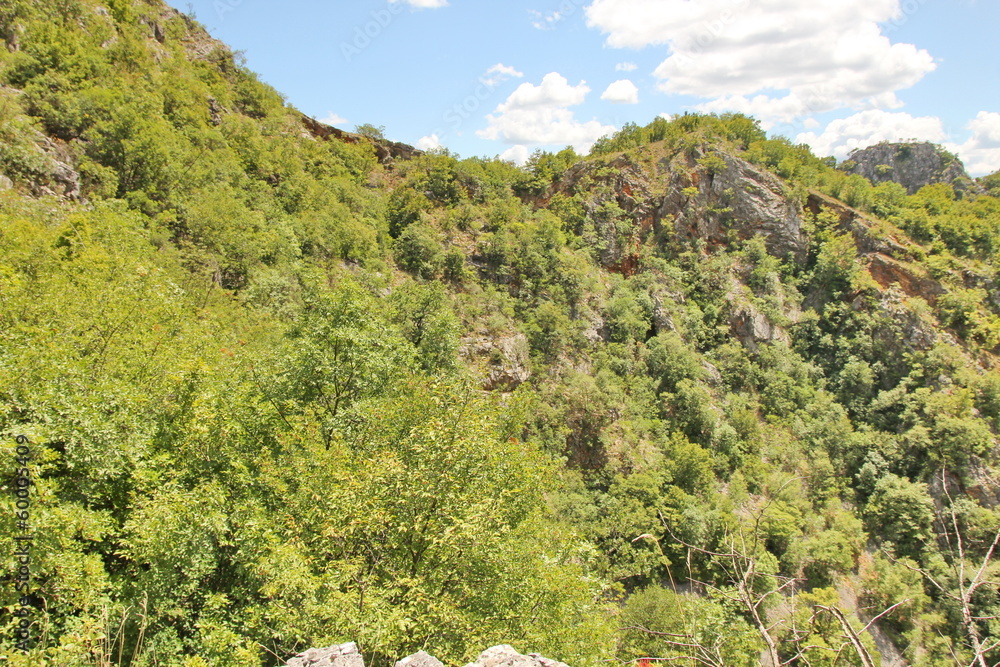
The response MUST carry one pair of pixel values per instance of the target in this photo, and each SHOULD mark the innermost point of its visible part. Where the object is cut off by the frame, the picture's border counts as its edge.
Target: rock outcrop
(347, 655)
(752, 328)
(712, 197)
(509, 358)
(506, 656)
(420, 659)
(912, 165)
(341, 655)
(386, 151)
(51, 175)
(889, 259)
(64, 181)
(723, 195)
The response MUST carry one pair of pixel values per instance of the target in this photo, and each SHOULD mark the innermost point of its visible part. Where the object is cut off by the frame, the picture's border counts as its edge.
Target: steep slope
(286, 386)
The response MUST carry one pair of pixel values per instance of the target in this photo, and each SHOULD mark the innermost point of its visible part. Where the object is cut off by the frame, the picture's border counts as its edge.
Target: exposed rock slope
(912, 165)
(712, 197)
(696, 195)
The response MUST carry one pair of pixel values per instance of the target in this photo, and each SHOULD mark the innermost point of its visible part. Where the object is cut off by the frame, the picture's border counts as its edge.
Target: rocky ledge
(348, 655)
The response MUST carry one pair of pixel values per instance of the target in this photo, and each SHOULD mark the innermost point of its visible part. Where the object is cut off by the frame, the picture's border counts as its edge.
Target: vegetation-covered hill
(699, 393)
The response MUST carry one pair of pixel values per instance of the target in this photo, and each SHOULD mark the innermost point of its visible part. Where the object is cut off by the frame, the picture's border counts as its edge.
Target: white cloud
(333, 119)
(429, 142)
(780, 58)
(499, 73)
(545, 21)
(517, 154)
(534, 115)
(626, 67)
(423, 4)
(986, 127)
(981, 153)
(553, 91)
(868, 128)
(622, 92)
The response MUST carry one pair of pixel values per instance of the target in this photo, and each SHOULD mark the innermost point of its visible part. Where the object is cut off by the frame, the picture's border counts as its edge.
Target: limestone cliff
(697, 195)
(912, 165)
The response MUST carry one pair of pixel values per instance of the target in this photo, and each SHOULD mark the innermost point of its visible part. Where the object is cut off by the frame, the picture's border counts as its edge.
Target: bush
(419, 251)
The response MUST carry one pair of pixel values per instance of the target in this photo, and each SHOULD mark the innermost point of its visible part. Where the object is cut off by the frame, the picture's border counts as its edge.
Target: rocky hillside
(696, 396)
(912, 165)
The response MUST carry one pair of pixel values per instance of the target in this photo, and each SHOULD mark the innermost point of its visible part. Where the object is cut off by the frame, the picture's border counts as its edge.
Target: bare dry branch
(869, 624)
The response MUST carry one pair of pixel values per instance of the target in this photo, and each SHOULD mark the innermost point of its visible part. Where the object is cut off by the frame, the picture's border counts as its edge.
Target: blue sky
(505, 78)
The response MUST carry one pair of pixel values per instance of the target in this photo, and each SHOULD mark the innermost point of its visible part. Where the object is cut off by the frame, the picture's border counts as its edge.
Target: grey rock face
(738, 199)
(753, 328)
(347, 655)
(66, 179)
(715, 204)
(509, 360)
(385, 151)
(341, 655)
(911, 165)
(505, 656)
(420, 659)
(215, 111)
(903, 327)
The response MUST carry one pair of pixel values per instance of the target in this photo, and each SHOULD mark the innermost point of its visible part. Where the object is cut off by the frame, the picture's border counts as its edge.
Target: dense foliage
(281, 393)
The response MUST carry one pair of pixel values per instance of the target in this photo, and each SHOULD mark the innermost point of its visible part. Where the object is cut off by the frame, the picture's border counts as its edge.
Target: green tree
(340, 352)
(419, 251)
(901, 513)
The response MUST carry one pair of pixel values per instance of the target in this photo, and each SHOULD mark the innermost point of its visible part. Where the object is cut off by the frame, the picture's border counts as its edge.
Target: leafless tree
(741, 566)
(970, 576)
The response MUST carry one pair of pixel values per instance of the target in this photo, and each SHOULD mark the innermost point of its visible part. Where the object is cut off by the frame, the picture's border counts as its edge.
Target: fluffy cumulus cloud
(423, 4)
(981, 153)
(517, 154)
(778, 59)
(541, 115)
(622, 92)
(429, 142)
(333, 119)
(868, 128)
